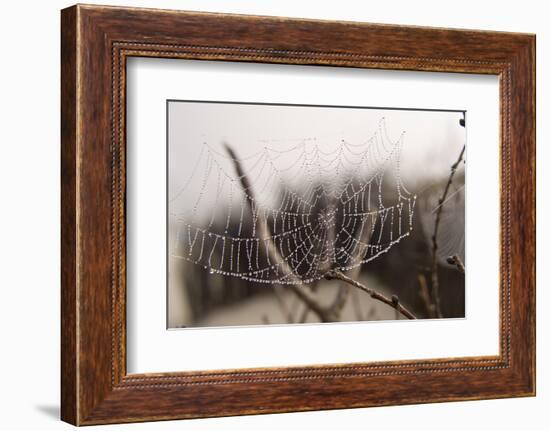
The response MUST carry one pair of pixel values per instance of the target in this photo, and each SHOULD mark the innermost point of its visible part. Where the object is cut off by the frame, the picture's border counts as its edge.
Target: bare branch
(264, 233)
(435, 277)
(456, 261)
(425, 295)
(393, 302)
(343, 290)
(262, 229)
(325, 314)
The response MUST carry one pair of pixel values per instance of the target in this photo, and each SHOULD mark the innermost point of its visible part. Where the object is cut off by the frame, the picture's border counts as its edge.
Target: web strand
(324, 209)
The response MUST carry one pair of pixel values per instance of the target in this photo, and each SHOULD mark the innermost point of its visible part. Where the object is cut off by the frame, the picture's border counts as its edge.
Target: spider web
(451, 237)
(294, 210)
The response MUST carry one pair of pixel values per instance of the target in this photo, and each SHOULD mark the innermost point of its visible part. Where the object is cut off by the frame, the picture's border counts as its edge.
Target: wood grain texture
(96, 41)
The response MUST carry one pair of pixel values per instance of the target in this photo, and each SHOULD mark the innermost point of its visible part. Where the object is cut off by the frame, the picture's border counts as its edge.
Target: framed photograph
(264, 214)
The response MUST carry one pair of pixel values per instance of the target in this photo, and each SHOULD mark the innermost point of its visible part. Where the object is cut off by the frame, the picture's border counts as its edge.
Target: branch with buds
(324, 313)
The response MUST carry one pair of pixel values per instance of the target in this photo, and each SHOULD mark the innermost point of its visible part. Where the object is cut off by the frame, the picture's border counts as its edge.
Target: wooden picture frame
(95, 43)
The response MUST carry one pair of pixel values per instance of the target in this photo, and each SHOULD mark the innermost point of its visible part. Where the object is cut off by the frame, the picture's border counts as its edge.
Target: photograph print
(284, 214)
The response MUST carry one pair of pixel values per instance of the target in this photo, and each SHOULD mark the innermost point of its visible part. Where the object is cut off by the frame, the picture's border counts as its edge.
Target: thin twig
(456, 261)
(393, 302)
(343, 293)
(344, 290)
(322, 313)
(425, 295)
(263, 232)
(435, 277)
(449, 198)
(325, 314)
